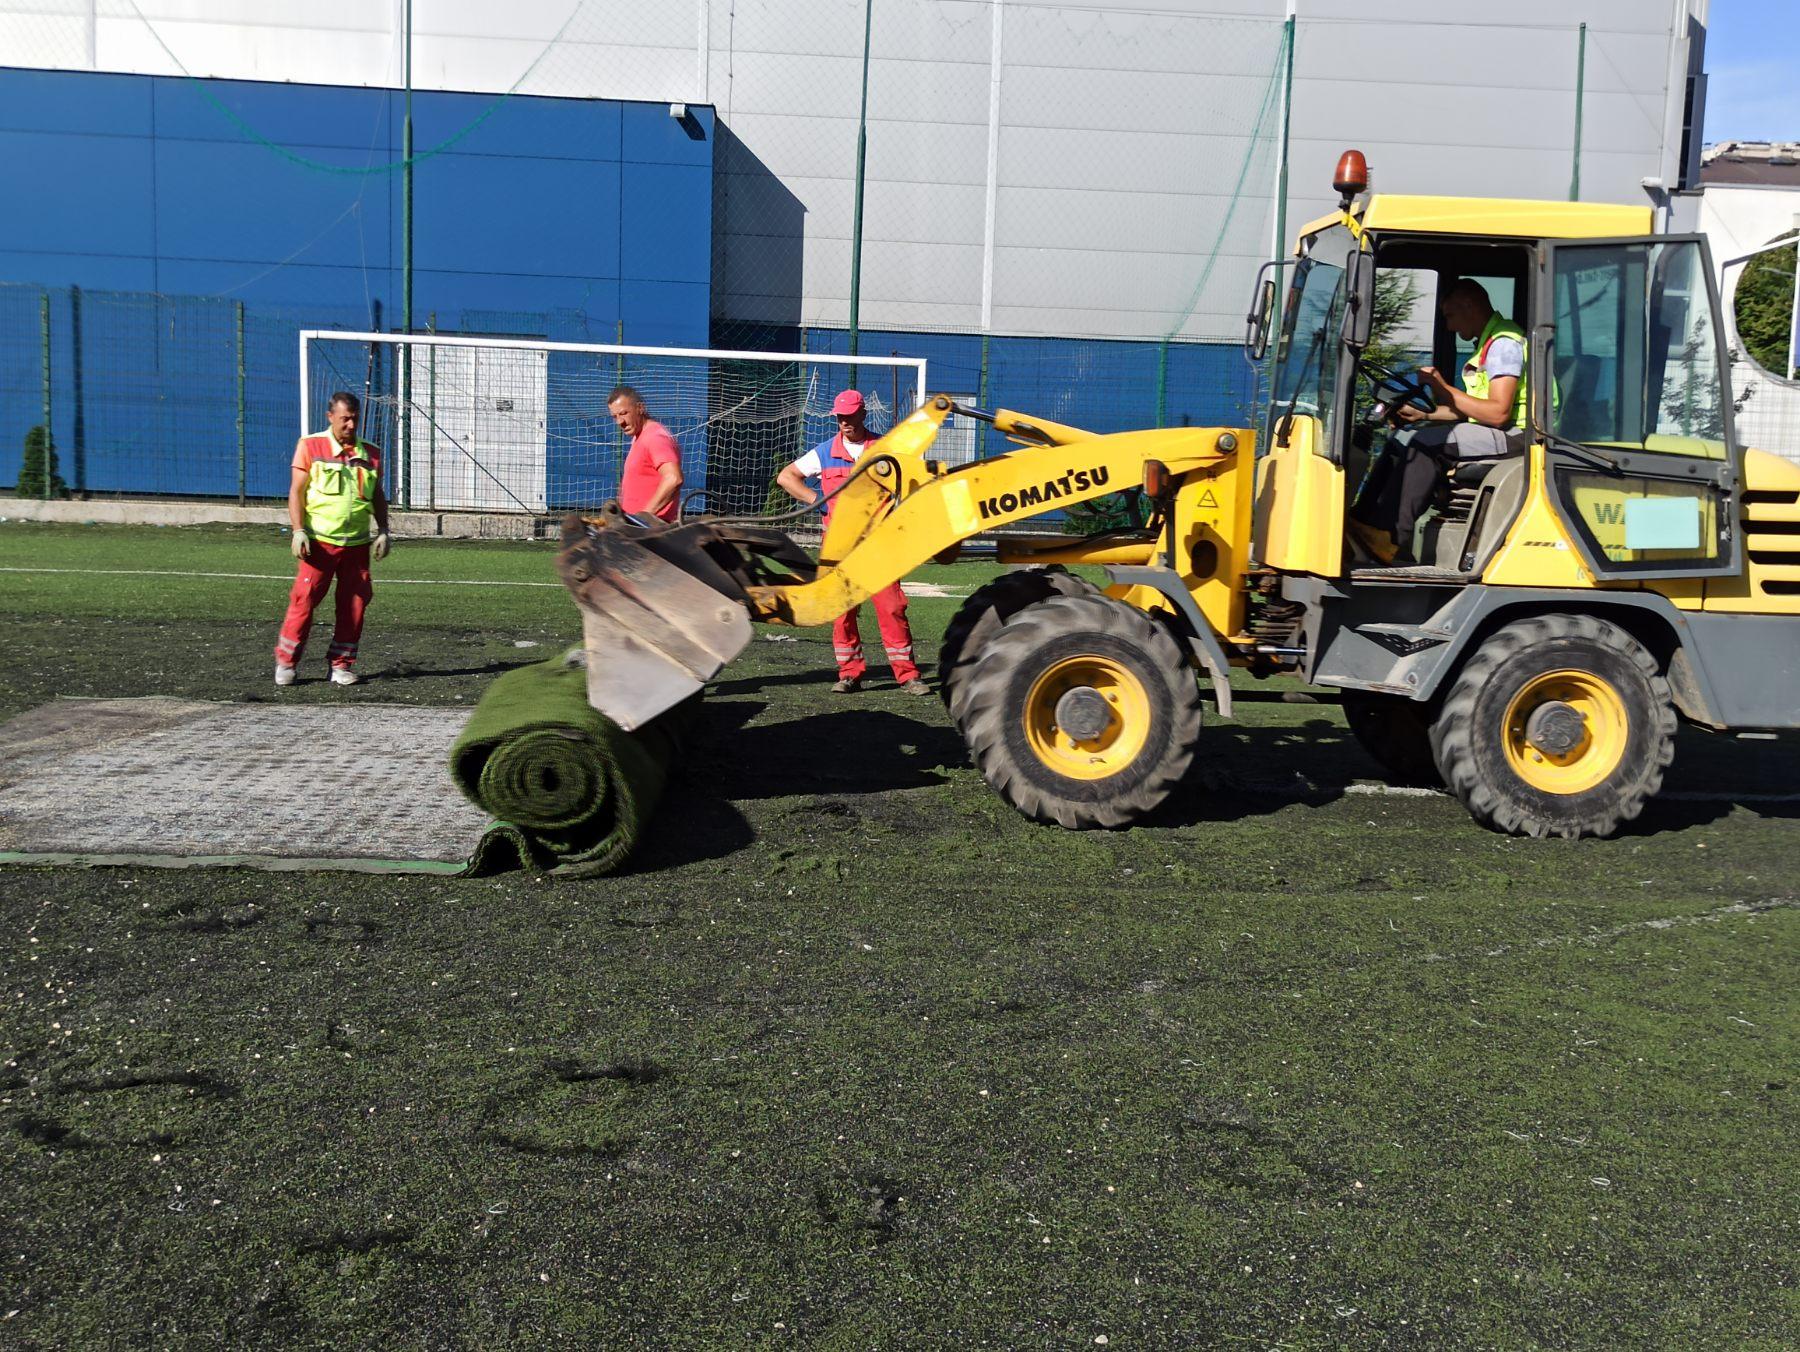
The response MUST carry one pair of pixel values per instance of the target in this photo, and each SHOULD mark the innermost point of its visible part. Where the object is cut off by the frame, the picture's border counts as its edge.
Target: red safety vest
(835, 466)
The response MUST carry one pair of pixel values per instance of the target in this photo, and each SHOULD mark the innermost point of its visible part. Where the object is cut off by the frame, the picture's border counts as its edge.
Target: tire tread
(985, 720)
(1453, 734)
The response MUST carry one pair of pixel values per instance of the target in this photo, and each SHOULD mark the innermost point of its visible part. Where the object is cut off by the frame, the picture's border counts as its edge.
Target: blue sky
(1753, 70)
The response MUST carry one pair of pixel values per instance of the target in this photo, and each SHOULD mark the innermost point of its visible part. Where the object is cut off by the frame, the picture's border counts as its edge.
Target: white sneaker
(344, 676)
(284, 675)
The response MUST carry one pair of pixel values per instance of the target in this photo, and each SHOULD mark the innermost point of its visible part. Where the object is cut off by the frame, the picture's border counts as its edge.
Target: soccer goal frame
(705, 362)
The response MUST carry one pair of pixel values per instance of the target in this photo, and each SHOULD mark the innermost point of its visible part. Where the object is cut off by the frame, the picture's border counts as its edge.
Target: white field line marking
(1414, 791)
(1712, 917)
(928, 589)
(279, 577)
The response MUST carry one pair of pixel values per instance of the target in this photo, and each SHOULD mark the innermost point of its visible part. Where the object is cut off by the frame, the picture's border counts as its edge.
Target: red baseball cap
(847, 403)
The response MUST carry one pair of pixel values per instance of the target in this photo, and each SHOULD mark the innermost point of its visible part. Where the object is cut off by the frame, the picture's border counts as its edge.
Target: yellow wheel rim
(1546, 748)
(1119, 728)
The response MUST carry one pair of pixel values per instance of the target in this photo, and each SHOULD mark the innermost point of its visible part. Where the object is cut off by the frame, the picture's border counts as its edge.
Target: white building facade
(1103, 169)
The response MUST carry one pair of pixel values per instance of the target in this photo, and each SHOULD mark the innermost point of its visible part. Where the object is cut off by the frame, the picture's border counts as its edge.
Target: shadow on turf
(854, 747)
(845, 751)
(406, 671)
(1243, 771)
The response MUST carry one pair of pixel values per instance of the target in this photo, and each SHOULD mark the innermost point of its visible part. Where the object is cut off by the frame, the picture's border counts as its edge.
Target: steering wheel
(1393, 390)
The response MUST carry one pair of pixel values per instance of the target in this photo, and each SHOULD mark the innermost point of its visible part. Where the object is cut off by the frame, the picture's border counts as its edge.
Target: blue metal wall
(588, 216)
(1101, 384)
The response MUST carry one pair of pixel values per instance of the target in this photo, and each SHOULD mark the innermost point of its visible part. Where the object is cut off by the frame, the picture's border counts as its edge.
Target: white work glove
(300, 544)
(379, 549)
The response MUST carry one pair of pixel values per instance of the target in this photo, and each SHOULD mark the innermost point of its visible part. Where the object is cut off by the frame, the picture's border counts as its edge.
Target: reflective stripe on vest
(1475, 376)
(340, 493)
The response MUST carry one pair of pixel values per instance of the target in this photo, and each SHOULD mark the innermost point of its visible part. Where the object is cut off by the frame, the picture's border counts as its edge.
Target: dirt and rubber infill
(851, 1054)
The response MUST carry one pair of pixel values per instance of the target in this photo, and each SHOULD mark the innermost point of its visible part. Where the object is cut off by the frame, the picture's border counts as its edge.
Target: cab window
(1638, 360)
(1636, 349)
(1306, 355)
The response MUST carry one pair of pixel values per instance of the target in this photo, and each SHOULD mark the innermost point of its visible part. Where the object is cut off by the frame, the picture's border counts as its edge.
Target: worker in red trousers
(831, 463)
(334, 499)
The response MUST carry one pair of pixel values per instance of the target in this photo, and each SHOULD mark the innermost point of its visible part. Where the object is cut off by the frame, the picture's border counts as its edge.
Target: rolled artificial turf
(570, 790)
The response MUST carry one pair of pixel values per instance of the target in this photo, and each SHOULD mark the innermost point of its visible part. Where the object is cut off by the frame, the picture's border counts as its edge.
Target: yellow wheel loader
(1623, 564)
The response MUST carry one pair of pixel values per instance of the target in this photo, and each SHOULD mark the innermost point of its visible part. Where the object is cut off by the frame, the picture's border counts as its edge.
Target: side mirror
(1261, 319)
(1359, 301)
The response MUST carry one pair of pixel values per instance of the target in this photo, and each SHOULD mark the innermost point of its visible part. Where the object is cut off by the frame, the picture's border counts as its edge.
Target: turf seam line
(266, 862)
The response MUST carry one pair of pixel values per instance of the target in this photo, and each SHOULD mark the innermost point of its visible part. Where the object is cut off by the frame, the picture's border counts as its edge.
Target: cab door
(1299, 509)
(1641, 462)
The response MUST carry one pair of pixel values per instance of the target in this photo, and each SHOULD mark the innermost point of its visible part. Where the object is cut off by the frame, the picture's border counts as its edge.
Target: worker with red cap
(832, 462)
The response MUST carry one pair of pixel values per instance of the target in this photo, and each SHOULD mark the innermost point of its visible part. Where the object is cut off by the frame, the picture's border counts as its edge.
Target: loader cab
(1362, 313)
(1477, 499)
(1629, 413)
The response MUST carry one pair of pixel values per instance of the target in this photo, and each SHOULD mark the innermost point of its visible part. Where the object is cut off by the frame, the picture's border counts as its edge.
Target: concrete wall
(1032, 168)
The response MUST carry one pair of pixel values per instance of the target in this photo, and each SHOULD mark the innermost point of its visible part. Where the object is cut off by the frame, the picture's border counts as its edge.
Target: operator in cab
(1483, 420)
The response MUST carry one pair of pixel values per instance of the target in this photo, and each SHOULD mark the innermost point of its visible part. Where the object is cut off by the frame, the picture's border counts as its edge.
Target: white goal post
(521, 425)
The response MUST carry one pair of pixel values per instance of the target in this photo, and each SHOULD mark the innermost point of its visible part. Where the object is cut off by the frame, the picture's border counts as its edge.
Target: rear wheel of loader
(981, 617)
(1396, 731)
(1082, 711)
(1557, 726)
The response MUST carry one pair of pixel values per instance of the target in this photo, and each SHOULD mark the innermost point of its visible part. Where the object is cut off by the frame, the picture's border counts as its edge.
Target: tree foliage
(1764, 307)
(1396, 297)
(39, 464)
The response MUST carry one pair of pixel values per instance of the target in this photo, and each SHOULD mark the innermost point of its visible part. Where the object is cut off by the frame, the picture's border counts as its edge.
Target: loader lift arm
(665, 608)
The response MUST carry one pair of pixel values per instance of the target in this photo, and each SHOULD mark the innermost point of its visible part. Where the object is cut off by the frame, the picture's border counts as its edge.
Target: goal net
(516, 425)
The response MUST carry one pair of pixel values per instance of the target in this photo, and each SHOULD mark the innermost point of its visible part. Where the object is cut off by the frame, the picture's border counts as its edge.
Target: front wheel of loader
(1561, 725)
(1082, 711)
(980, 617)
(1396, 731)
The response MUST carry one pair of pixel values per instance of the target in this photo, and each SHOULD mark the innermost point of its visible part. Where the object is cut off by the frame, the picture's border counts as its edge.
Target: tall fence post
(619, 379)
(1265, 418)
(238, 332)
(49, 441)
(1162, 381)
(862, 151)
(431, 419)
(1288, 32)
(981, 397)
(406, 272)
(77, 397)
(1580, 91)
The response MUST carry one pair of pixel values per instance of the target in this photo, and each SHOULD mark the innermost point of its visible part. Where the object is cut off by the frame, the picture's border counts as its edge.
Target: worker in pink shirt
(832, 462)
(651, 482)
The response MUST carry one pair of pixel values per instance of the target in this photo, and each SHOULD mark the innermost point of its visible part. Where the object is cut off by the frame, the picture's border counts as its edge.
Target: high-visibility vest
(340, 490)
(1475, 376)
(835, 466)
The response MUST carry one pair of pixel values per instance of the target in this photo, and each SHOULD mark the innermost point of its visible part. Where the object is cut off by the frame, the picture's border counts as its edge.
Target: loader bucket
(662, 607)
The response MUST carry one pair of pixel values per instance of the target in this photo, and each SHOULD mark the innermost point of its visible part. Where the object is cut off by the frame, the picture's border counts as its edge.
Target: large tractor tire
(988, 608)
(1396, 731)
(1560, 725)
(1082, 711)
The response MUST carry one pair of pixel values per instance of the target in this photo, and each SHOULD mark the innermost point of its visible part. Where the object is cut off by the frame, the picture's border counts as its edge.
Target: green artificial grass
(572, 790)
(851, 1055)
